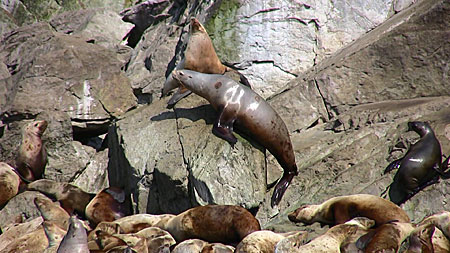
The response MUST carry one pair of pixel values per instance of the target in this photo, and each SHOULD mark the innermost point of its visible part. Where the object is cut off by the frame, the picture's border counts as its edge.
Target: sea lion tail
(281, 187)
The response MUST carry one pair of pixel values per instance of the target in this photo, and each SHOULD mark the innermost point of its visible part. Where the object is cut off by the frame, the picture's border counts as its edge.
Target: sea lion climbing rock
(199, 56)
(341, 209)
(237, 103)
(32, 157)
(420, 166)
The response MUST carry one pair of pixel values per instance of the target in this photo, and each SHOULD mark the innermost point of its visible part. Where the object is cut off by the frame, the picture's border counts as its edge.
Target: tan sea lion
(212, 223)
(76, 238)
(385, 238)
(107, 205)
(440, 220)
(420, 167)
(364, 224)
(54, 234)
(52, 212)
(70, 196)
(9, 183)
(199, 56)
(237, 103)
(103, 242)
(32, 157)
(294, 240)
(440, 242)
(330, 242)
(419, 240)
(15, 231)
(340, 209)
(200, 246)
(264, 241)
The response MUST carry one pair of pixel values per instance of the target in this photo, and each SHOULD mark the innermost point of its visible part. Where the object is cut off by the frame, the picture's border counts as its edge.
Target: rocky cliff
(345, 76)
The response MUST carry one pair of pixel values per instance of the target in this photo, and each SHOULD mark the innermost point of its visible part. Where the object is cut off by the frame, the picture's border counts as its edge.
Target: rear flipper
(392, 166)
(281, 187)
(177, 96)
(443, 170)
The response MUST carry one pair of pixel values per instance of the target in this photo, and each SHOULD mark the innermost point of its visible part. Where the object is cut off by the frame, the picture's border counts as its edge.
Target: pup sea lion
(330, 242)
(76, 238)
(70, 196)
(107, 205)
(9, 183)
(32, 157)
(238, 103)
(340, 209)
(212, 223)
(263, 241)
(199, 56)
(52, 212)
(419, 167)
(386, 238)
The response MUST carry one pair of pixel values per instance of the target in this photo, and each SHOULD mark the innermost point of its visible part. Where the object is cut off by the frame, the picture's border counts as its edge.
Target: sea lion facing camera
(237, 103)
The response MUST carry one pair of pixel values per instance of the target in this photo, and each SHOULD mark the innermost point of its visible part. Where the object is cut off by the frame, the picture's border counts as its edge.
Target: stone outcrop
(344, 80)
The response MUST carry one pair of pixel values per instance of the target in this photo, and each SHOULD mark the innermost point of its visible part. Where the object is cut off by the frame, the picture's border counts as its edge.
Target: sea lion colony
(357, 223)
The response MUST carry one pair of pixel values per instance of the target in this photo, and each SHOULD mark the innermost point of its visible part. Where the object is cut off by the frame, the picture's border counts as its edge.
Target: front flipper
(392, 166)
(281, 187)
(223, 127)
(177, 96)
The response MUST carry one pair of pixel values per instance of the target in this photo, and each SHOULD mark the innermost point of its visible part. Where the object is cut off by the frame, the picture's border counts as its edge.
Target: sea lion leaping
(238, 103)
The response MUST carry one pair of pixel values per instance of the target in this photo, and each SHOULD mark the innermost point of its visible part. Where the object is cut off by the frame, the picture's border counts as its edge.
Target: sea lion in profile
(264, 241)
(420, 166)
(52, 212)
(237, 103)
(32, 157)
(212, 223)
(341, 209)
(330, 242)
(385, 238)
(76, 238)
(71, 197)
(9, 183)
(107, 205)
(199, 56)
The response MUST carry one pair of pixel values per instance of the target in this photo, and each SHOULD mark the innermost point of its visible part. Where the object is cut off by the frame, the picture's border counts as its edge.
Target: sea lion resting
(237, 103)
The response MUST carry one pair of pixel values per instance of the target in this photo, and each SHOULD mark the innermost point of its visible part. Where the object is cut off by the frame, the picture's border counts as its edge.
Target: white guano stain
(85, 103)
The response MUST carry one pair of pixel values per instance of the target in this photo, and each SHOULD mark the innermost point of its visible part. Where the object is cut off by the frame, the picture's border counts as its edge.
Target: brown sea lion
(263, 241)
(330, 242)
(237, 103)
(9, 183)
(32, 157)
(420, 166)
(52, 212)
(103, 242)
(199, 56)
(419, 240)
(76, 238)
(385, 238)
(364, 224)
(340, 209)
(70, 196)
(107, 205)
(212, 223)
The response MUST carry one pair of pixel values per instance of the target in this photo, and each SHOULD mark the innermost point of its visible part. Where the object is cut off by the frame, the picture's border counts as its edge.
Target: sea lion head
(304, 214)
(37, 127)
(419, 127)
(196, 26)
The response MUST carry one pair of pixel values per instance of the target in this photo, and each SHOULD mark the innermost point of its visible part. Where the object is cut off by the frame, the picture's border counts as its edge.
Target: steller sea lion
(420, 166)
(107, 205)
(385, 238)
(76, 238)
(237, 103)
(440, 220)
(9, 183)
(54, 235)
(212, 223)
(32, 157)
(15, 231)
(264, 241)
(341, 209)
(52, 212)
(200, 246)
(199, 56)
(419, 240)
(70, 196)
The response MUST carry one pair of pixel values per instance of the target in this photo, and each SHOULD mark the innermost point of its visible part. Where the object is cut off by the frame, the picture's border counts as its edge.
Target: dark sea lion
(237, 103)
(9, 183)
(341, 209)
(70, 196)
(107, 205)
(32, 157)
(420, 166)
(199, 56)
(76, 238)
(385, 238)
(212, 223)
(52, 212)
